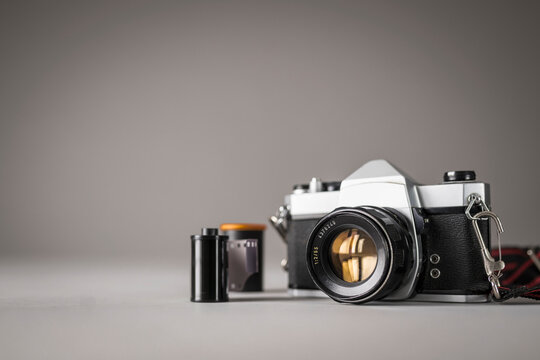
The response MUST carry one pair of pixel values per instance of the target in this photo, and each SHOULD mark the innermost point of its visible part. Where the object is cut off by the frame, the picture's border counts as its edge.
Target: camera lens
(362, 254)
(353, 255)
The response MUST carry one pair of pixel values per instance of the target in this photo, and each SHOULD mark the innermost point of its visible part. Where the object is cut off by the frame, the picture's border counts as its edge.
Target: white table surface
(98, 310)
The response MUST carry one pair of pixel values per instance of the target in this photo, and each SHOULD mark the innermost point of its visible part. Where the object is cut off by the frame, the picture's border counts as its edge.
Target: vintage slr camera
(379, 235)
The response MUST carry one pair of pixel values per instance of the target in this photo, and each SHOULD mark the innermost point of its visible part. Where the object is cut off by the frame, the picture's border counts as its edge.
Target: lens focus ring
(342, 270)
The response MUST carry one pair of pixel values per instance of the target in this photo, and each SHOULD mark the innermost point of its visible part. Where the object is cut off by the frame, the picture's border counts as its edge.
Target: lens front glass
(353, 255)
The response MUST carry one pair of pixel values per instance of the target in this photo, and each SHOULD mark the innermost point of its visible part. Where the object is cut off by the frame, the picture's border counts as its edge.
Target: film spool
(245, 254)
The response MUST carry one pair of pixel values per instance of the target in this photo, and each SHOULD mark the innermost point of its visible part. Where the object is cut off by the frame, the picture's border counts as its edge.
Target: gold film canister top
(242, 227)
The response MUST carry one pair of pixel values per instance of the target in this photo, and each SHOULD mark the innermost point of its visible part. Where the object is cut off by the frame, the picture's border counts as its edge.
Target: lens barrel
(355, 255)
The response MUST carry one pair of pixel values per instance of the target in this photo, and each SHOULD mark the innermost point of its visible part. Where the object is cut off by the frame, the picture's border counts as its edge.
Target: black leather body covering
(450, 234)
(297, 238)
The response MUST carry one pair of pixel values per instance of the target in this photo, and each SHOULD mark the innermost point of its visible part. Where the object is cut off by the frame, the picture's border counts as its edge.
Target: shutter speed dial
(462, 175)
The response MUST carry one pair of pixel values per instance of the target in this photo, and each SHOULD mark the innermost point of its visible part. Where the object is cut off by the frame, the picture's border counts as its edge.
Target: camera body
(423, 246)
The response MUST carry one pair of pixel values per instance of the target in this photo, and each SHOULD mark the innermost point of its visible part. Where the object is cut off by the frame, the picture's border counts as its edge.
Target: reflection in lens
(353, 255)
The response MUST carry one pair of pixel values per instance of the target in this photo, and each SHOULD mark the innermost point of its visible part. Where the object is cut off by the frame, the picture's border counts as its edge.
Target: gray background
(127, 126)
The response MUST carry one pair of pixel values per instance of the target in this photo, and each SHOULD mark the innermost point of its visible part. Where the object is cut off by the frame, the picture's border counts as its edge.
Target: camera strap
(494, 268)
(521, 277)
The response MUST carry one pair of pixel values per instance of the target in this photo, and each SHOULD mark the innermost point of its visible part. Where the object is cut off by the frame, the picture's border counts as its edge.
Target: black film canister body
(245, 254)
(209, 267)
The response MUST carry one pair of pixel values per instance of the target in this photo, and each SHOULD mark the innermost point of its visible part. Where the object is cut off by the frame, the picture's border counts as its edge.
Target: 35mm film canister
(209, 267)
(245, 253)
